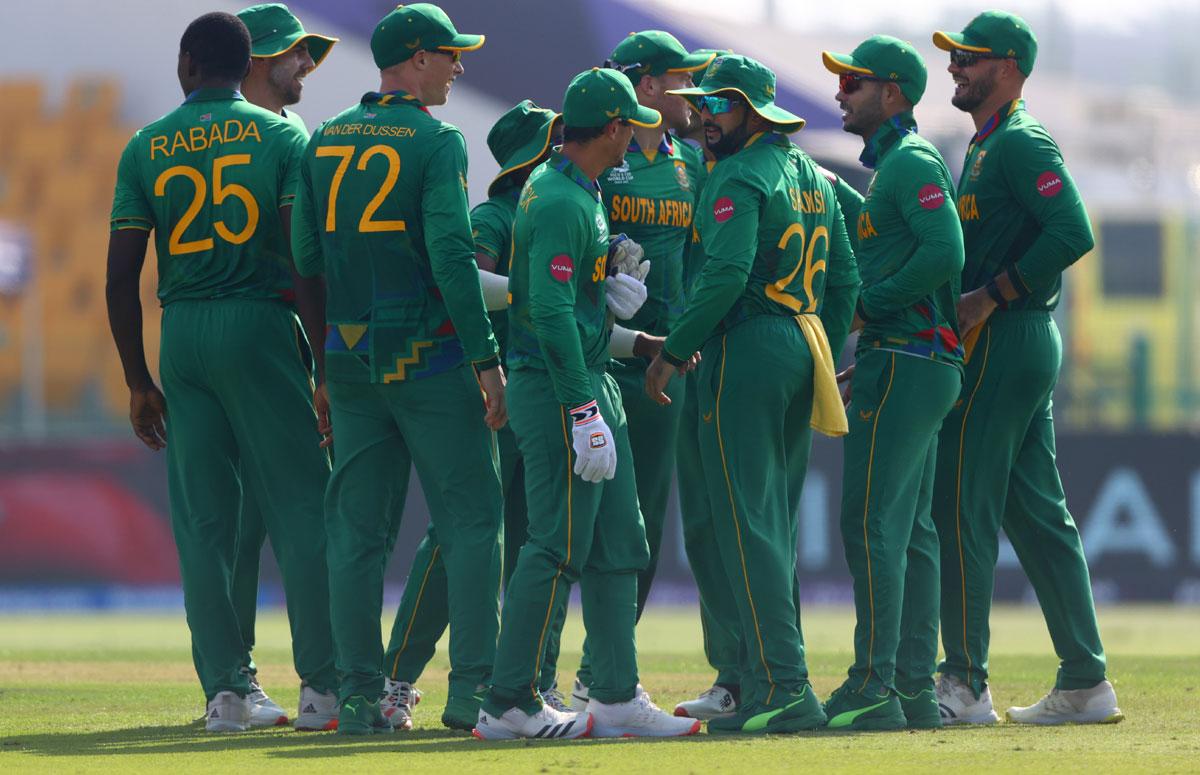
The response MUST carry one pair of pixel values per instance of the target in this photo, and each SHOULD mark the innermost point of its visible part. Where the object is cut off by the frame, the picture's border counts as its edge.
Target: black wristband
(671, 359)
(993, 290)
(484, 365)
(1018, 284)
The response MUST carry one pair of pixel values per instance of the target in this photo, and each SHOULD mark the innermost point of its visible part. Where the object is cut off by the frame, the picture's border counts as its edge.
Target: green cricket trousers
(995, 468)
(239, 409)
(898, 402)
(578, 531)
(381, 431)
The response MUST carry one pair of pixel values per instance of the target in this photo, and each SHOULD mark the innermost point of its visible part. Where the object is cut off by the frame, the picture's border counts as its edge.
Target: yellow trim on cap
(301, 39)
(707, 62)
(834, 65)
(757, 112)
(545, 146)
(946, 43)
(477, 46)
(635, 122)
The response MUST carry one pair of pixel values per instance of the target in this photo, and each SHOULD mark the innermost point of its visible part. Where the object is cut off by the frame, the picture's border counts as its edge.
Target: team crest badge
(681, 176)
(977, 167)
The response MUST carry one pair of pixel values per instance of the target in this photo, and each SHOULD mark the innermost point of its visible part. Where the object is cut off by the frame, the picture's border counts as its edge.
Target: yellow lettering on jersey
(600, 268)
(369, 130)
(866, 229)
(251, 129)
(158, 143)
(659, 212)
(199, 138)
(807, 202)
(968, 208)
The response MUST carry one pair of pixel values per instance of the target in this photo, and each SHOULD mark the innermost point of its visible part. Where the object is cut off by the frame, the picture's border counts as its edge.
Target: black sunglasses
(961, 58)
(852, 82)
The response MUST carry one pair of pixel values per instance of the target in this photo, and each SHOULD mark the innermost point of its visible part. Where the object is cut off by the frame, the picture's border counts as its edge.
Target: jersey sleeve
(131, 205)
(728, 226)
(452, 251)
(491, 230)
(841, 285)
(556, 252)
(1038, 179)
(293, 143)
(848, 202)
(306, 239)
(921, 190)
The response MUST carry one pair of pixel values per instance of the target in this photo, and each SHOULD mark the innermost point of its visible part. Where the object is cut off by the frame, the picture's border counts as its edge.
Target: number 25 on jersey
(220, 192)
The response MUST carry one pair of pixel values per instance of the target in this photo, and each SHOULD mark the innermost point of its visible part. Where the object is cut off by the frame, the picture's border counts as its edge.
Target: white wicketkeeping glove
(626, 257)
(592, 440)
(625, 295)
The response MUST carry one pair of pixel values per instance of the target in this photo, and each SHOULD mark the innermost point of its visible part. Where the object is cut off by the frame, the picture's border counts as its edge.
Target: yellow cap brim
(842, 63)
(948, 41)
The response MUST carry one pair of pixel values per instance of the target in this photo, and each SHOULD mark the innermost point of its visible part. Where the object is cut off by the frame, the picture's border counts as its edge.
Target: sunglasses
(960, 58)
(852, 82)
(716, 105)
(455, 56)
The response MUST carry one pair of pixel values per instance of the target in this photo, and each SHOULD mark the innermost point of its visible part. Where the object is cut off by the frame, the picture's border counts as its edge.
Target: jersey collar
(885, 137)
(398, 97)
(568, 168)
(997, 118)
(210, 95)
(665, 146)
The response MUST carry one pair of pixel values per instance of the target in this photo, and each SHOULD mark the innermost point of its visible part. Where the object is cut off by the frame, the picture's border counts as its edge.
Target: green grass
(85, 692)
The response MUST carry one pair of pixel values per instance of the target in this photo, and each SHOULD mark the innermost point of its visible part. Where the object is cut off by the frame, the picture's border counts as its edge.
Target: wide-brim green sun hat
(275, 30)
(751, 79)
(519, 138)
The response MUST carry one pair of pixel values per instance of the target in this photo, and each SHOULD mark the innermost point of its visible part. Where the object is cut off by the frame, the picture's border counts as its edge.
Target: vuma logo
(930, 196)
(1049, 183)
(562, 268)
(723, 209)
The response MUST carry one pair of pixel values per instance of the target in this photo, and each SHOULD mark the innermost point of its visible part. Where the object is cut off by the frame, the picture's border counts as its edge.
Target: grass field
(85, 692)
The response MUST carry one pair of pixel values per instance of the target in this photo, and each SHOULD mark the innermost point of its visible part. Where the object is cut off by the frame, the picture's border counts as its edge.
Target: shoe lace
(1057, 702)
(555, 699)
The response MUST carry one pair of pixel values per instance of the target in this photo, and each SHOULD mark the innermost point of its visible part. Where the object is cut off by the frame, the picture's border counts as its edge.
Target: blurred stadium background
(83, 505)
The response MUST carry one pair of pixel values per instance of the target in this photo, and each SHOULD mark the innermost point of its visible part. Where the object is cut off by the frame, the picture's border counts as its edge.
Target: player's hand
(492, 382)
(147, 415)
(321, 405)
(592, 440)
(847, 377)
(625, 295)
(974, 308)
(627, 257)
(658, 375)
(647, 345)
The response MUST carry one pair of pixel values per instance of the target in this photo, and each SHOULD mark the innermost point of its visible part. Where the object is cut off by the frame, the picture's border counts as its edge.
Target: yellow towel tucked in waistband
(828, 415)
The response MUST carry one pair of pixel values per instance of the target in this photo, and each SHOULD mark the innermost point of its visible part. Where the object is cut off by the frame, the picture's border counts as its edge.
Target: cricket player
(1023, 223)
(382, 215)
(215, 179)
(772, 231)
(282, 54)
(906, 377)
(584, 522)
(651, 198)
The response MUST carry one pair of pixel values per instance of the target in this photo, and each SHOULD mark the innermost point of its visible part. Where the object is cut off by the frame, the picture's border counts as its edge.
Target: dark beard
(978, 91)
(731, 142)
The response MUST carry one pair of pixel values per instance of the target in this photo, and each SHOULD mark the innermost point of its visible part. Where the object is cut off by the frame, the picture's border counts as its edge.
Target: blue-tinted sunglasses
(716, 105)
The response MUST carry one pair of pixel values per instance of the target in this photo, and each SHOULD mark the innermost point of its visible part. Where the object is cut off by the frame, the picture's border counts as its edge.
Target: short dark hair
(582, 134)
(219, 45)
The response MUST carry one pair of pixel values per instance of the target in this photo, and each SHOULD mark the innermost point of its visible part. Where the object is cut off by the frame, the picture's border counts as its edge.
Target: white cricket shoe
(579, 697)
(399, 700)
(1097, 705)
(716, 702)
(957, 704)
(638, 717)
(318, 710)
(227, 712)
(264, 712)
(555, 699)
(546, 724)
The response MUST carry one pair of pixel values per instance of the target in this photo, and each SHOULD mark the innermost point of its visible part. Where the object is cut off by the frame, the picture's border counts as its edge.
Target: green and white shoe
(847, 708)
(360, 716)
(788, 713)
(921, 709)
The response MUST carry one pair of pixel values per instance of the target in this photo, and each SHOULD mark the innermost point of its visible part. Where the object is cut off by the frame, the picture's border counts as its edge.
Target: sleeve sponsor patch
(562, 268)
(1049, 183)
(931, 196)
(723, 209)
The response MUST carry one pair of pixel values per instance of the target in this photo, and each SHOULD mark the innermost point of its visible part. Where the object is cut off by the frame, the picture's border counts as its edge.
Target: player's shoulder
(914, 155)
(500, 205)
(1023, 133)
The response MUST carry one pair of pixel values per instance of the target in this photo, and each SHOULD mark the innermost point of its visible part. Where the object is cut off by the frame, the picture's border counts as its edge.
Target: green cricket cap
(275, 30)
(994, 32)
(751, 79)
(602, 94)
(520, 137)
(885, 58)
(655, 52)
(412, 28)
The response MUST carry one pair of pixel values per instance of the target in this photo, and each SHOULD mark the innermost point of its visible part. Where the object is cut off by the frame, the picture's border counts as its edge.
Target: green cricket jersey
(382, 211)
(294, 117)
(1020, 210)
(693, 253)
(850, 203)
(772, 232)
(556, 314)
(909, 247)
(651, 198)
(491, 226)
(209, 178)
